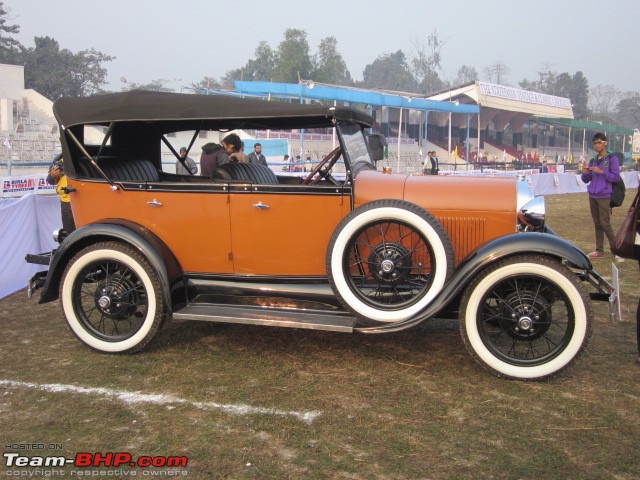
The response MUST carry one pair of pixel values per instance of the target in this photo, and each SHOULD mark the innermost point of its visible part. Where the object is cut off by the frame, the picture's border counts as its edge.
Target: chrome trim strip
(334, 322)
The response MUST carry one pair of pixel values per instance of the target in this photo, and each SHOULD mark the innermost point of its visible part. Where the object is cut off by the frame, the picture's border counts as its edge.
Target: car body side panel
(372, 185)
(480, 210)
(199, 231)
(284, 234)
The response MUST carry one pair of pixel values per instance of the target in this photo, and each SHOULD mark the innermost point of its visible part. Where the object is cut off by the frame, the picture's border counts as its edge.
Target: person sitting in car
(191, 166)
(214, 155)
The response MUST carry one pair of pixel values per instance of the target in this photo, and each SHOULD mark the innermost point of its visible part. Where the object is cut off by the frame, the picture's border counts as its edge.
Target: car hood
(440, 194)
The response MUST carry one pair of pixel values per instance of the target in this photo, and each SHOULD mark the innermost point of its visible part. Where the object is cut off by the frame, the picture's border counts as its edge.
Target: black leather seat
(129, 169)
(246, 172)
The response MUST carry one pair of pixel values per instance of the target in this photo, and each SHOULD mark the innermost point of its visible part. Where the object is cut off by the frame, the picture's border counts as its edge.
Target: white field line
(131, 398)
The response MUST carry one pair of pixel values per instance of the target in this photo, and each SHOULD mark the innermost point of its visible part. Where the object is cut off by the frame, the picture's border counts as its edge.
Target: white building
(28, 130)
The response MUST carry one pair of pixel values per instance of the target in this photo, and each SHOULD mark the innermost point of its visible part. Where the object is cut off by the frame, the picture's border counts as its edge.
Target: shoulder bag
(625, 242)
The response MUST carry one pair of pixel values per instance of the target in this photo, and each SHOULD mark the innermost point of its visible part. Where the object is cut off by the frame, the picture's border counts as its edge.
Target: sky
(184, 41)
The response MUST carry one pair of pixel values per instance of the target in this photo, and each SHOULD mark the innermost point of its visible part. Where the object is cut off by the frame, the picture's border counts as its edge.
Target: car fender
(486, 254)
(160, 257)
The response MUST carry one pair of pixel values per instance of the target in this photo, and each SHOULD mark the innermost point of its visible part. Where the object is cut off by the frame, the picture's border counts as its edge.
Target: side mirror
(377, 145)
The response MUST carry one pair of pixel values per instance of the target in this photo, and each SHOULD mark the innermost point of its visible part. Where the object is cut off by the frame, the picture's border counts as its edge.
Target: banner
(21, 185)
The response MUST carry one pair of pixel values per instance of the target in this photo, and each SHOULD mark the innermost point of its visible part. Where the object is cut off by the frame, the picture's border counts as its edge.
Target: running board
(314, 320)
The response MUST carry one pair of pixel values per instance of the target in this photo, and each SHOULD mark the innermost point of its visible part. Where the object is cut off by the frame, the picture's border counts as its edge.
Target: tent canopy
(314, 91)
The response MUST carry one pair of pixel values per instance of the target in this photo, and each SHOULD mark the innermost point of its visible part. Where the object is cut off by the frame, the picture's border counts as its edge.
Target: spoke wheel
(111, 298)
(525, 317)
(387, 260)
(388, 264)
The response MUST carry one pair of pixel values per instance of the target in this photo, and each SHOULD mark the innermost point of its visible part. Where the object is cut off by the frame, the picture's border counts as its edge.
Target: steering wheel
(331, 159)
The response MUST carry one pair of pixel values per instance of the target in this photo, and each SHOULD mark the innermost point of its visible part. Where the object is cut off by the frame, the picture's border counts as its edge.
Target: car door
(283, 230)
(191, 219)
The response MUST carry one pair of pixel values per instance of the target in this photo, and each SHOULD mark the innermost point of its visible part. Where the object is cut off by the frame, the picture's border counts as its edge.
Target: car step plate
(336, 322)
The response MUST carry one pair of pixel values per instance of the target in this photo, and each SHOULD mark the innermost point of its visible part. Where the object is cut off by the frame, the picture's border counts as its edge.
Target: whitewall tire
(525, 317)
(111, 298)
(387, 260)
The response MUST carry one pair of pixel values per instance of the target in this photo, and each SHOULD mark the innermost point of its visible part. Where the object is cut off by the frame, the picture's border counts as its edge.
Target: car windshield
(356, 145)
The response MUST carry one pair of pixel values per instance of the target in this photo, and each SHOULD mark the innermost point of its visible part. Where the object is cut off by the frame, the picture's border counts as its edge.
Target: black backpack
(618, 189)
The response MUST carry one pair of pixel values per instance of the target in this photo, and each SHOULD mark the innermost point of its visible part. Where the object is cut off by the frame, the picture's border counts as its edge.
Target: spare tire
(387, 260)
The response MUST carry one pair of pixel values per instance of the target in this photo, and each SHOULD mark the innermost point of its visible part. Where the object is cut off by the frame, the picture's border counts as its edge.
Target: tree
(158, 85)
(88, 71)
(602, 100)
(292, 58)
(256, 69)
(329, 66)
(390, 72)
(426, 63)
(465, 75)
(628, 110)
(10, 48)
(207, 83)
(546, 78)
(56, 72)
(574, 87)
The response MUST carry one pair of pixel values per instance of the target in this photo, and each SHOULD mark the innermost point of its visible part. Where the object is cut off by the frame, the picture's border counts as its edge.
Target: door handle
(260, 206)
(154, 203)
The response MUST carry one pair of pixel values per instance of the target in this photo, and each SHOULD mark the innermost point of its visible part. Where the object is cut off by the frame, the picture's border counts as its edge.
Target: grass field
(244, 402)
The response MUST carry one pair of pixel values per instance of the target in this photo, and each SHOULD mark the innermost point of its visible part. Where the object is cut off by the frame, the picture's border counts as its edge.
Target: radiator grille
(466, 234)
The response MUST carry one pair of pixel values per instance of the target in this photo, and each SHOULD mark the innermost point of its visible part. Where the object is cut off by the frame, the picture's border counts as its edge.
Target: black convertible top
(149, 106)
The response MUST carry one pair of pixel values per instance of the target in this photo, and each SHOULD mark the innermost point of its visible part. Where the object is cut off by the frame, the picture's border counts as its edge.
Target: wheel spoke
(392, 262)
(525, 319)
(111, 301)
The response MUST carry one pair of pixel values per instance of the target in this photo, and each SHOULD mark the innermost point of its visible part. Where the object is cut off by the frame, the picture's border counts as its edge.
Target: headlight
(523, 192)
(531, 216)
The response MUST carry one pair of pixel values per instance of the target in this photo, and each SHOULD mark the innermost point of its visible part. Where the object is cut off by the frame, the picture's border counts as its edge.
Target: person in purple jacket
(602, 171)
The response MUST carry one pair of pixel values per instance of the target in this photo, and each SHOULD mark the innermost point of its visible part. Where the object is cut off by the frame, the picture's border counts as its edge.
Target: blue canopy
(309, 90)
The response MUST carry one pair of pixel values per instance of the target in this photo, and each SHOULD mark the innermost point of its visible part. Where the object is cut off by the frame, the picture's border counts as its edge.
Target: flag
(7, 143)
(455, 152)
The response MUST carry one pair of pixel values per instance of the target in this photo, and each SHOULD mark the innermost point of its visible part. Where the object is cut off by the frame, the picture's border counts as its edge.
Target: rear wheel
(112, 298)
(387, 260)
(525, 317)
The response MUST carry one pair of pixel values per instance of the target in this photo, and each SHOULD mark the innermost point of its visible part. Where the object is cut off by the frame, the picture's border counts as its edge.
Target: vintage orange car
(344, 247)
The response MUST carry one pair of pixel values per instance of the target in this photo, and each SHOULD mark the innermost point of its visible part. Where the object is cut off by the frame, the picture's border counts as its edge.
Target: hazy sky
(187, 40)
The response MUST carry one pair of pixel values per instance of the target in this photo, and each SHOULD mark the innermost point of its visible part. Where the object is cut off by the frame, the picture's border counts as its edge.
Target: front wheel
(526, 317)
(387, 260)
(112, 298)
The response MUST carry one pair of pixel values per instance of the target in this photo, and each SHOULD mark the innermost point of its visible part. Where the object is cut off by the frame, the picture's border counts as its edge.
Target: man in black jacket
(214, 155)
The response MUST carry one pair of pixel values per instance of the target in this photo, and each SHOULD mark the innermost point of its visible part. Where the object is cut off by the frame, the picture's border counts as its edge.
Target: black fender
(484, 255)
(162, 260)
